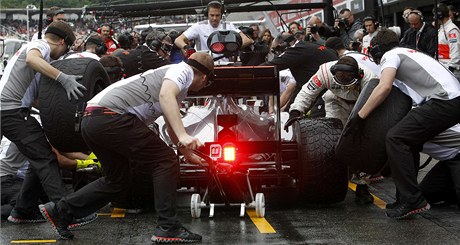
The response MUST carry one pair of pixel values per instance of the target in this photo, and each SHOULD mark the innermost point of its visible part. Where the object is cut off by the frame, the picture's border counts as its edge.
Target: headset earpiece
(49, 20)
(374, 21)
(417, 12)
(213, 4)
(442, 11)
(110, 33)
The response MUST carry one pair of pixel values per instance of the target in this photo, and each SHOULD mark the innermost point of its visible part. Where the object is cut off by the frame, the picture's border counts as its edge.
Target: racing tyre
(321, 177)
(366, 152)
(60, 117)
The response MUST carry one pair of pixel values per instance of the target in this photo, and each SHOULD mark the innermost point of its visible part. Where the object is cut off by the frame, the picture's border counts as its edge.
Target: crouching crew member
(437, 93)
(115, 128)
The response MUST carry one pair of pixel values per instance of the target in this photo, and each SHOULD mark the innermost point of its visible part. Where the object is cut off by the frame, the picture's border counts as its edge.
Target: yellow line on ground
(118, 213)
(377, 201)
(261, 223)
(33, 241)
(104, 214)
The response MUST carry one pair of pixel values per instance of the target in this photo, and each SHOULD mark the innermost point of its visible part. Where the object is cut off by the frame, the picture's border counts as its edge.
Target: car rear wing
(242, 81)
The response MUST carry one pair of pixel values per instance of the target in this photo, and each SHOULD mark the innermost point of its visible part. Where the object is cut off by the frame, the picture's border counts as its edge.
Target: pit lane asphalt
(342, 223)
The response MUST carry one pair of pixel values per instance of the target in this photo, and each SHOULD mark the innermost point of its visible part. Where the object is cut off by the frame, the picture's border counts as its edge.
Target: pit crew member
(434, 89)
(115, 127)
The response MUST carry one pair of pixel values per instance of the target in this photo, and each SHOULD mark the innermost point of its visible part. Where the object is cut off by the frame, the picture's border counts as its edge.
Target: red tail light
(218, 47)
(229, 152)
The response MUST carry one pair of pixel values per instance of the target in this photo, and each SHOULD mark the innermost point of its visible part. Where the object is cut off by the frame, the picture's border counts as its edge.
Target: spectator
(256, 32)
(268, 39)
(104, 129)
(18, 126)
(347, 25)
(136, 39)
(436, 92)
(371, 25)
(106, 32)
(312, 29)
(160, 42)
(296, 29)
(420, 36)
(200, 31)
(357, 44)
(255, 53)
(448, 41)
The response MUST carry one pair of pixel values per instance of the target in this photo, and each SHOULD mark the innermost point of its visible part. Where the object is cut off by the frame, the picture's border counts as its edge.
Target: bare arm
(181, 41)
(168, 102)
(35, 60)
(380, 92)
(284, 99)
(246, 40)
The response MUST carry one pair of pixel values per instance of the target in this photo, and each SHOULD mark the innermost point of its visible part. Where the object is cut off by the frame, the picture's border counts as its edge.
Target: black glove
(294, 115)
(355, 126)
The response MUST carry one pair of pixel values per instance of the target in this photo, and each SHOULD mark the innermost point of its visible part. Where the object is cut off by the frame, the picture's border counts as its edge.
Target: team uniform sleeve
(389, 60)
(453, 37)
(192, 32)
(181, 75)
(312, 90)
(41, 46)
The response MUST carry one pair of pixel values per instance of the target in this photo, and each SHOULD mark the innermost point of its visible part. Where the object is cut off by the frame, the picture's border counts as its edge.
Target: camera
(343, 23)
(328, 31)
(314, 29)
(355, 45)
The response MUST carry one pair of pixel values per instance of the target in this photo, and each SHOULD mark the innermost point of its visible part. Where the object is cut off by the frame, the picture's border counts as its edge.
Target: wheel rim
(195, 209)
(260, 205)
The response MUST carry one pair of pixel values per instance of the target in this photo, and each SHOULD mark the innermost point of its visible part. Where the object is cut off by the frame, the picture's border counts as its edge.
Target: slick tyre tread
(368, 153)
(57, 113)
(321, 177)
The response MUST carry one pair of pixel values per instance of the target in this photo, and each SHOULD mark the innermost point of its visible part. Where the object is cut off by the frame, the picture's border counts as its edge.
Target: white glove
(70, 84)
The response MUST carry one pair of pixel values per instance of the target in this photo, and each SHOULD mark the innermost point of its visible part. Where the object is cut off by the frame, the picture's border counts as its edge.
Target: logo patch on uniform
(310, 87)
(452, 35)
(316, 81)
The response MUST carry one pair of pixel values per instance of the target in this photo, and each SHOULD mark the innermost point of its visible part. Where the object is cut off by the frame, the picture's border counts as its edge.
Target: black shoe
(363, 196)
(403, 210)
(59, 222)
(82, 221)
(18, 217)
(392, 205)
(174, 235)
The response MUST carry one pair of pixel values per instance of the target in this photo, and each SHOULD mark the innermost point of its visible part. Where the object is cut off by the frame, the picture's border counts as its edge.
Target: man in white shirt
(371, 25)
(200, 31)
(437, 93)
